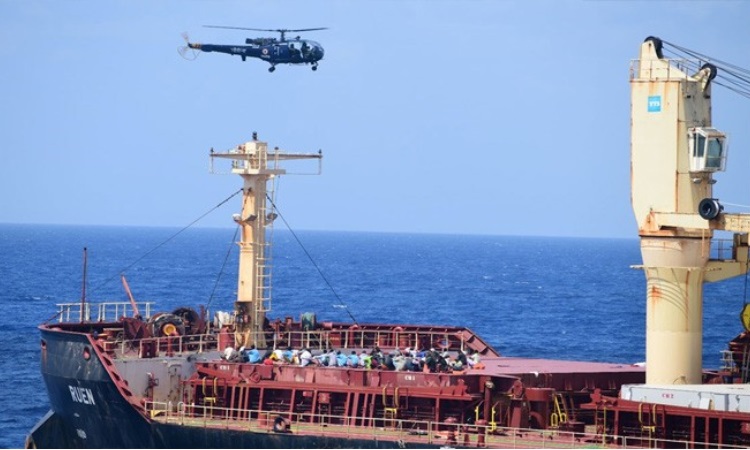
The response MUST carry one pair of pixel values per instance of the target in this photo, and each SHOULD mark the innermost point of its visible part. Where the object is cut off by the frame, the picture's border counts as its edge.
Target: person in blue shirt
(253, 355)
(353, 360)
(340, 359)
(288, 355)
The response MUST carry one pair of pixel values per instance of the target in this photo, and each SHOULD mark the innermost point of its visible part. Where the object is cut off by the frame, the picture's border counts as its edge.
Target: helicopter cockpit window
(302, 50)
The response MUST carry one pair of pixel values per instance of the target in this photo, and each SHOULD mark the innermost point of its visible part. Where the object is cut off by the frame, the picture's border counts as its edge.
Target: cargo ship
(123, 374)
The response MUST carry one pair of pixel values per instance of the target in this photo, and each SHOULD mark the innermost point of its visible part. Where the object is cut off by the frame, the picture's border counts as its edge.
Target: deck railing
(163, 346)
(103, 312)
(677, 68)
(318, 341)
(364, 338)
(446, 433)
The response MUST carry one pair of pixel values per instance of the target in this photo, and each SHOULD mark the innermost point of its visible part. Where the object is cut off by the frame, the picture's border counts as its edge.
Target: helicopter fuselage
(273, 51)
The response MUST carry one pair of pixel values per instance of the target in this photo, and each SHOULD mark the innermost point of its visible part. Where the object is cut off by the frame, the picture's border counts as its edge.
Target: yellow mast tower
(257, 166)
(674, 153)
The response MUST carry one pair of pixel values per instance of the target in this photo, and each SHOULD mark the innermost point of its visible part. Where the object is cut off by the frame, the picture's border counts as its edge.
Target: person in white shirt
(305, 357)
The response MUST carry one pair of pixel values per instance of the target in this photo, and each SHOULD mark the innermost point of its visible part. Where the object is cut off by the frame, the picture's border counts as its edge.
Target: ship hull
(110, 392)
(89, 411)
(86, 403)
(53, 431)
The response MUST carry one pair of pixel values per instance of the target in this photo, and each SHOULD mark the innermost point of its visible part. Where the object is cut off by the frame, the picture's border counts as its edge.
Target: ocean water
(566, 298)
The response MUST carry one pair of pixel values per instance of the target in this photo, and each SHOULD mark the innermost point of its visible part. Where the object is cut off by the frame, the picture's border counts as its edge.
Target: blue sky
(471, 117)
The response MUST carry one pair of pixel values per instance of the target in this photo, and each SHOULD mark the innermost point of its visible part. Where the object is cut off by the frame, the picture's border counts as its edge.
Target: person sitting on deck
(376, 359)
(353, 360)
(295, 356)
(253, 355)
(377, 354)
(413, 364)
(460, 363)
(399, 362)
(230, 354)
(331, 358)
(322, 359)
(431, 360)
(305, 357)
(388, 361)
(341, 359)
(474, 360)
(365, 360)
(287, 355)
(444, 363)
(267, 358)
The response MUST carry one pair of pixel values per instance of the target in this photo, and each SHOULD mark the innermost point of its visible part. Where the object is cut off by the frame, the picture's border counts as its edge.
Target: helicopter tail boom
(241, 50)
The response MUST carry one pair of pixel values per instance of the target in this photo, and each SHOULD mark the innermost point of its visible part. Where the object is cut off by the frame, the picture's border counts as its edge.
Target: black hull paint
(51, 432)
(85, 399)
(88, 411)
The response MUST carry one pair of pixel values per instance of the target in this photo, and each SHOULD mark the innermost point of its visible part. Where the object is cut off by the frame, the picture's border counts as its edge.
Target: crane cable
(733, 77)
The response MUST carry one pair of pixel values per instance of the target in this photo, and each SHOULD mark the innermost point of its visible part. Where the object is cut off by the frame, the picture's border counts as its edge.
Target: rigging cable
(226, 258)
(733, 77)
(223, 266)
(735, 204)
(341, 301)
(165, 241)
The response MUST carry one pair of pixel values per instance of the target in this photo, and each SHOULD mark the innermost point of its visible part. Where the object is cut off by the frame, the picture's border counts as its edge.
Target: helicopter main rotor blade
(264, 29)
(305, 29)
(237, 28)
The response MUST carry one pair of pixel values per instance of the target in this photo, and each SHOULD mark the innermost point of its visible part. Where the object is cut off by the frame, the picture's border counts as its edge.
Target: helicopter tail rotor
(188, 51)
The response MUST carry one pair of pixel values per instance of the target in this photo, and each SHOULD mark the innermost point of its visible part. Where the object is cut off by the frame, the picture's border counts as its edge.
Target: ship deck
(191, 383)
(434, 434)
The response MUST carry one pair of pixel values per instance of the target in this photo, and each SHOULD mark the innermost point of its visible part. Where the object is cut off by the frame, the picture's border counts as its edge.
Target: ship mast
(674, 153)
(257, 166)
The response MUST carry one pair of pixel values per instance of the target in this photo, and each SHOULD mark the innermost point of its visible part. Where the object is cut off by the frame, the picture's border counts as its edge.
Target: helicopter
(272, 50)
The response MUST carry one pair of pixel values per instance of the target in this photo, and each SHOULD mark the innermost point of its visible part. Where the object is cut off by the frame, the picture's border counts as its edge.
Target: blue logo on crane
(654, 103)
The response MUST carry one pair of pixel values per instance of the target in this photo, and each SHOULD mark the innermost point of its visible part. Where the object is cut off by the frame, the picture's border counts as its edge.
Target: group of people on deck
(431, 360)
